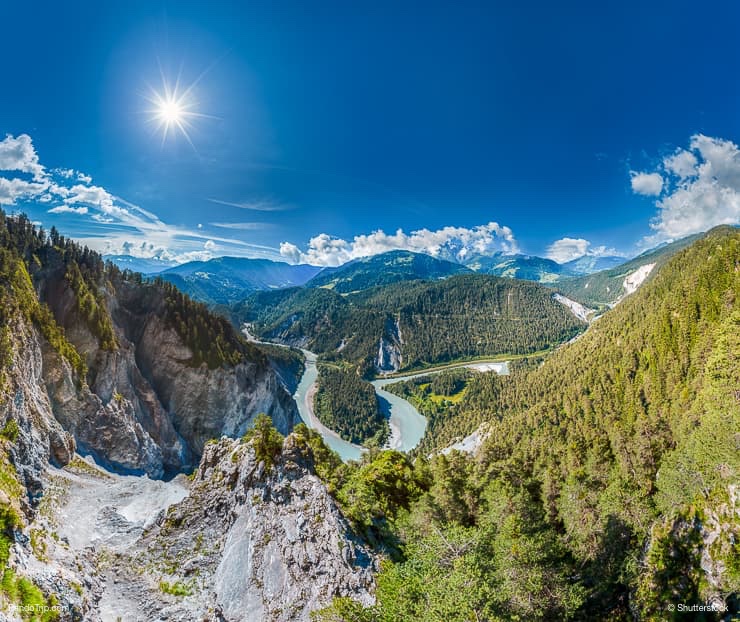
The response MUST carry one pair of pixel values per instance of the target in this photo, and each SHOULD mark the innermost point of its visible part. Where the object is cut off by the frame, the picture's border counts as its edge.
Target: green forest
(603, 288)
(430, 321)
(348, 405)
(608, 478)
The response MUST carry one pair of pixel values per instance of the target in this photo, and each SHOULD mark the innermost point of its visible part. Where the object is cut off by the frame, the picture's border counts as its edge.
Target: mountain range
(228, 279)
(384, 269)
(224, 280)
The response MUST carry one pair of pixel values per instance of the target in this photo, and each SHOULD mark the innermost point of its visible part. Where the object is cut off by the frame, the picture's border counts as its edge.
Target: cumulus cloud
(567, 249)
(682, 164)
(701, 190)
(13, 190)
(18, 154)
(647, 184)
(454, 243)
(66, 209)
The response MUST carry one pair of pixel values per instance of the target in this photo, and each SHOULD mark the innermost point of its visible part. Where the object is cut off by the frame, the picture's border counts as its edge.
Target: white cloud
(67, 173)
(682, 163)
(85, 179)
(239, 226)
(702, 190)
(94, 195)
(648, 184)
(58, 190)
(209, 245)
(454, 243)
(18, 154)
(66, 209)
(567, 249)
(12, 190)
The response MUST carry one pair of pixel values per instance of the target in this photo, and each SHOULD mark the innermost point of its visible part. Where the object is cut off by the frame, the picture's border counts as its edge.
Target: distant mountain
(384, 269)
(226, 279)
(526, 267)
(588, 264)
(145, 265)
(605, 288)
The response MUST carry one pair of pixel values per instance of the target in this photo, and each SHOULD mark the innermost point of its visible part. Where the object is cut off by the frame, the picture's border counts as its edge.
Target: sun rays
(174, 108)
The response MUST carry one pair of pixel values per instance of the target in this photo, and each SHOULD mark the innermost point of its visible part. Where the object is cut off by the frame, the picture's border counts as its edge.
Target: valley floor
(99, 517)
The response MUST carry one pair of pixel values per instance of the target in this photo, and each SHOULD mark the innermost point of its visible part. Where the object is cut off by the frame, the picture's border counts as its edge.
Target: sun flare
(173, 110)
(170, 112)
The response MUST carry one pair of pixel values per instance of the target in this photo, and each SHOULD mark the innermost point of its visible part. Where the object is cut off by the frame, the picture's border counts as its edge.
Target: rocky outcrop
(390, 358)
(31, 439)
(720, 532)
(249, 542)
(25, 407)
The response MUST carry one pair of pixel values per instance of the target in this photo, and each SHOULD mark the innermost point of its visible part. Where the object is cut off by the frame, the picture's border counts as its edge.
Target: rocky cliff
(253, 542)
(253, 537)
(242, 541)
(146, 408)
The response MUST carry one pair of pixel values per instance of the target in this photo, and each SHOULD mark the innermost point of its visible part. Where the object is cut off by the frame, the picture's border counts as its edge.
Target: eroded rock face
(24, 403)
(390, 357)
(253, 543)
(146, 409)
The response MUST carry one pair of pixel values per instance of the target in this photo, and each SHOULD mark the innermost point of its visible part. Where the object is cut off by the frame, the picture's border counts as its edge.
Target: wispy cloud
(241, 226)
(257, 206)
(107, 222)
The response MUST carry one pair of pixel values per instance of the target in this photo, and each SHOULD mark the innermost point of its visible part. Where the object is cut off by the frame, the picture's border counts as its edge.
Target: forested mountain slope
(608, 487)
(384, 269)
(602, 289)
(527, 267)
(415, 323)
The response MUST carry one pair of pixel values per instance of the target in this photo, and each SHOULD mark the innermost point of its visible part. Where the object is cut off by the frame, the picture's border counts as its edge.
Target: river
(303, 397)
(406, 423)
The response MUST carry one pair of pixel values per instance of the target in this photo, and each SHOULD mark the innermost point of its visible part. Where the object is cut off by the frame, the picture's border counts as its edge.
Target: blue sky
(328, 127)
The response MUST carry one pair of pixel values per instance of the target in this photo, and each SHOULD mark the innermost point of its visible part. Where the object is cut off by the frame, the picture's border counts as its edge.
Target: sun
(173, 110)
(170, 111)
